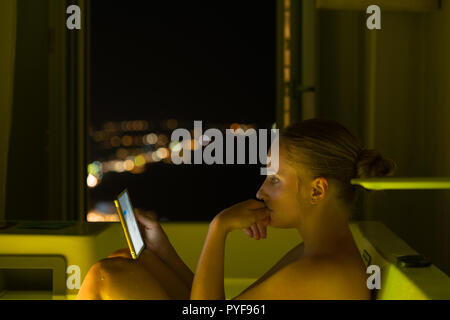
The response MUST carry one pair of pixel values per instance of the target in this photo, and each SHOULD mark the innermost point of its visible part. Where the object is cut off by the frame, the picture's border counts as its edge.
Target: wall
(412, 111)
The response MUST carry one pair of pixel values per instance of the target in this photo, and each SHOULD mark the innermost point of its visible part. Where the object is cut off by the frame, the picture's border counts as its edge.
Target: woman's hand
(154, 237)
(258, 230)
(250, 215)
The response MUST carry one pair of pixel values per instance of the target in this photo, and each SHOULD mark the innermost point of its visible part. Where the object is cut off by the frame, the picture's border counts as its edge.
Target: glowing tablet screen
(131, 223)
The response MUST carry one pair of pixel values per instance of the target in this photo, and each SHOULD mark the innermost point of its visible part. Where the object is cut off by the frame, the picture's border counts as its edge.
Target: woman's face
(287, 193)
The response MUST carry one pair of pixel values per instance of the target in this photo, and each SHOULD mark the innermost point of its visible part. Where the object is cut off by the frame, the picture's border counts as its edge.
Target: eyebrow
(279, 172)
(280, 168)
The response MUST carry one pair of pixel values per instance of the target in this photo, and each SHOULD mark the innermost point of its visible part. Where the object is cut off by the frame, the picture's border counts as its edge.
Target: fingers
(248, 231)
(148, 214)
(146, 218)
(262, 215)
(261, 229)
(143, 220)
(257, 231)
(266, 220)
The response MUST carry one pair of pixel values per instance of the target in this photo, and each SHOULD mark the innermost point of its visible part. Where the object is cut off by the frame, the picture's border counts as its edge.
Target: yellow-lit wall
(7, 53)
(412, 111)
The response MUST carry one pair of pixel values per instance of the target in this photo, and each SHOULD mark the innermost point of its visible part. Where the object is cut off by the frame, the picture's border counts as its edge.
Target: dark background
(211, 61)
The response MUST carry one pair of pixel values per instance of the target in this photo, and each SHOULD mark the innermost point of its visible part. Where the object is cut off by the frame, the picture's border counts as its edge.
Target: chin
(273, 219)
(274, 223)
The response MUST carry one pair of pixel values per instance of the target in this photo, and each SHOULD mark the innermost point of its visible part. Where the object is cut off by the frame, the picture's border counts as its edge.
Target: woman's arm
(209, 276)
(157, 241)
(173, 260)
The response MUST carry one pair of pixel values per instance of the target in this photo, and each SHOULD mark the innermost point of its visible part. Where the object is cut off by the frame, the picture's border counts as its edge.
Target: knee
(91, 287)
(102, 276)
(121, 278)
(103, 268)
(105, 271)
(111, 266)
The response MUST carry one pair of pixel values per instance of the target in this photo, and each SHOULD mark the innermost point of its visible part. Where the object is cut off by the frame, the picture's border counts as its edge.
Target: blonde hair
(331, 151)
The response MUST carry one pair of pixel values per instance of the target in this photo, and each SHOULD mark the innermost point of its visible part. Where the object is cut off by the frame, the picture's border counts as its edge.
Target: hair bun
(371, 164)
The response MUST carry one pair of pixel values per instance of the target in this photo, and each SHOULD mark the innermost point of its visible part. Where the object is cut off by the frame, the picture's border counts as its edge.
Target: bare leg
(120, 277)
(169, 279)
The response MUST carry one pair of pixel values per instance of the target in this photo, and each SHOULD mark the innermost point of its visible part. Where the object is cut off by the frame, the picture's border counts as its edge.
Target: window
(157, 66)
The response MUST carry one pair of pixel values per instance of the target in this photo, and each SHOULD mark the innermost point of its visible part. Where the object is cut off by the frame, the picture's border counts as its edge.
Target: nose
(260, 194)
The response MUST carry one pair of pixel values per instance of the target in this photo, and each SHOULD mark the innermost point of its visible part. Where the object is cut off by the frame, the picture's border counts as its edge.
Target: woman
(310, 192)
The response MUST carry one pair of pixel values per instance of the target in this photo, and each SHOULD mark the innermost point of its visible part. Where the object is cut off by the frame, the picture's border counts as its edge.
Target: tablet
(129, 224)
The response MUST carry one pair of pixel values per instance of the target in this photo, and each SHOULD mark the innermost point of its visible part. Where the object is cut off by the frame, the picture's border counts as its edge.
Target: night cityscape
(223, 75)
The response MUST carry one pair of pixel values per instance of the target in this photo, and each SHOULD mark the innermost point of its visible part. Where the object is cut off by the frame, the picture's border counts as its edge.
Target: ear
(319, 189)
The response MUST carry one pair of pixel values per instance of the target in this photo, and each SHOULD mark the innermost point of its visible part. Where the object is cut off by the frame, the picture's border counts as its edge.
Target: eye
(274, 179)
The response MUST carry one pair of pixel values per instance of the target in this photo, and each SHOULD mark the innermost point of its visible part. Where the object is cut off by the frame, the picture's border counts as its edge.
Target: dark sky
(194, 60)
(190, 60)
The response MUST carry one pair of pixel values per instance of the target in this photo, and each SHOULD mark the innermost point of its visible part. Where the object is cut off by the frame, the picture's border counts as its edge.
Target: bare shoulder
(313, 278)
(335, 277)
